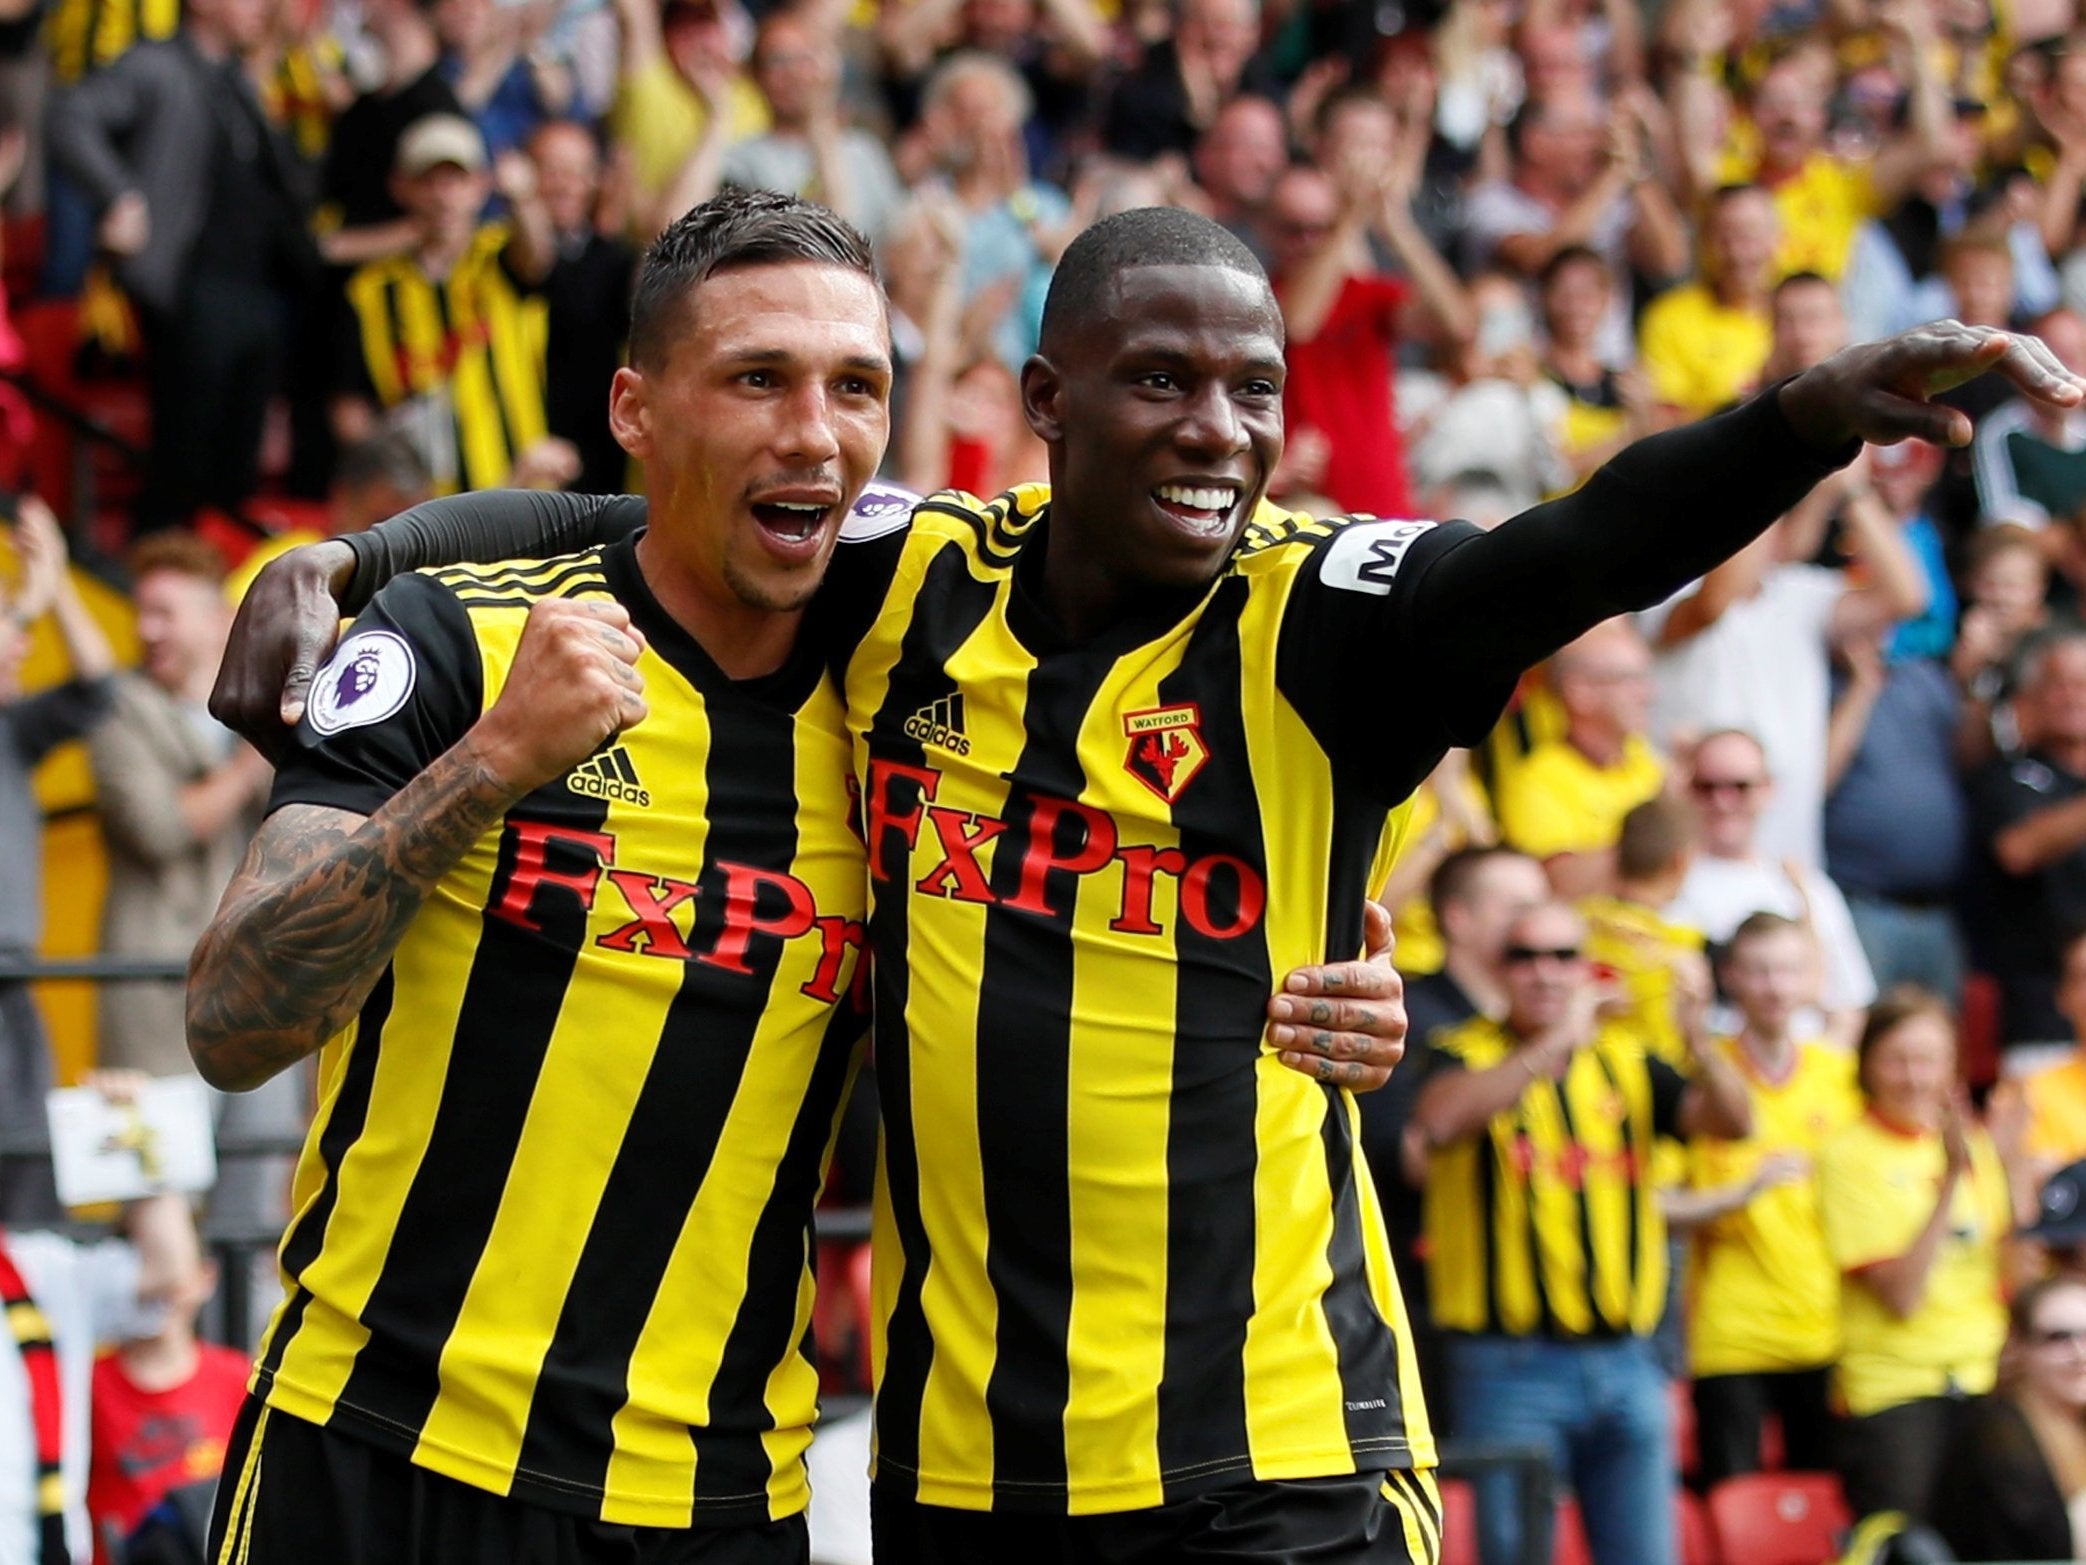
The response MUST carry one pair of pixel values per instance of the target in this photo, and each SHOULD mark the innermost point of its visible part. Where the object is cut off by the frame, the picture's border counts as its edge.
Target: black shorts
(293, 1493)
(1364, 1519)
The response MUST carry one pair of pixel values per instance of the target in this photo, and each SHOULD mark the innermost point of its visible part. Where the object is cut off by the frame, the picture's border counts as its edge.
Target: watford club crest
(1167, 751)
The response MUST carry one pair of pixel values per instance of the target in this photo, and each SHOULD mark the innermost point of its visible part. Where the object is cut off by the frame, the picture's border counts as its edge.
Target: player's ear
(630, 412)
(1042, 399)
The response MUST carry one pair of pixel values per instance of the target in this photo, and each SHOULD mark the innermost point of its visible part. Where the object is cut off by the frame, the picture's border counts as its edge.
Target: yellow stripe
(231, 1547)
(30, 1326)
(1121, 1084)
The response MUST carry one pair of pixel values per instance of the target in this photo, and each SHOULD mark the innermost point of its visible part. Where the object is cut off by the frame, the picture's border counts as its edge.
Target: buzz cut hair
(1142, 236)
(734, 228)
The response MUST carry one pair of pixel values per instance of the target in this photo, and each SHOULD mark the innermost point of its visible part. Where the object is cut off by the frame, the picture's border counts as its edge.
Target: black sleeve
(1668, 1087)
(1444, 620)
(45, 720)
(405, 684)
(2005, 793)
(488, 525)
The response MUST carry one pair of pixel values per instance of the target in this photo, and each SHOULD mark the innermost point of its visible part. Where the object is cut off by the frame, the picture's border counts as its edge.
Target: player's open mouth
(792, 523)
(1200, 508)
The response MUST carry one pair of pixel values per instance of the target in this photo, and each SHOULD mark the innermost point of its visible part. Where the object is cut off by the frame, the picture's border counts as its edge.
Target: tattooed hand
(1344, 1023)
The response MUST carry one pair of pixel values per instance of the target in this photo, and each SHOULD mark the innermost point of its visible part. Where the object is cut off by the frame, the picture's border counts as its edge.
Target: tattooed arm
(325, 895)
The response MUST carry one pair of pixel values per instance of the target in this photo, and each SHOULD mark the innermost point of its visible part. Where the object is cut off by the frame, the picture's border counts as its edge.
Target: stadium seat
(1459, 1523)
(1568, 1544)
(1977, 1029)
(1698, 1540)
(1778, 1518)
(865, 1312)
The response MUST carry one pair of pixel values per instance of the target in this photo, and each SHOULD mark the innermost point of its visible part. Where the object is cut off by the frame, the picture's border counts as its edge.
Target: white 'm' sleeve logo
(1366, 556)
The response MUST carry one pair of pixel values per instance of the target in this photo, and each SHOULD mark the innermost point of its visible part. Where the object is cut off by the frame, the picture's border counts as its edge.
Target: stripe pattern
(1123, 1256)
(1548, 1224)
(552, 1231)
(466, 350)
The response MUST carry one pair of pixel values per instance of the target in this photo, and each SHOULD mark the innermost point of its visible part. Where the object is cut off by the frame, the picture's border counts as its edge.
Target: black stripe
(1024, 1064)
(1546, 1314)
(671, 1140)
(307, 1233)
(947, 609)
(1485, 1209)
(541, 579)
(510, 1009)
(1221, 990)
(1577, 1150)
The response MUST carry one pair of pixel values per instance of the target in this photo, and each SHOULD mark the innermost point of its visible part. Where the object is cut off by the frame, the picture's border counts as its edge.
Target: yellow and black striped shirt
(1123, 1255)
(552, 1223)
(82, 35)
(465, 353)
(1547, 1223)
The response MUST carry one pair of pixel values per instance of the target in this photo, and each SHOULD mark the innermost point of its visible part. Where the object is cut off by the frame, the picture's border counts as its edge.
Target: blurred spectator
(1703, 343)
(31, 726)
(1764, 1321)
(2053, 1099)
(2006, 579)
(1582, 177)
(1056, 45)
(1808, 326)
(807, 149)
(1177, 89)
(1897, 820)
(587, 304)
(2017, 1467)
(373, 481)
(205, 206)
(162, 1404)
(1237, 161)
(179, 795)
(1750, 645)
(1345, 318)
(493, 57)
(1916, 1203)
(1606, 406)
(1653, 961)
(444, 345)
(1730, 879)
(62, 1300)
(1542, 1125)
(680, 70)
(2031, 815)
(1490, 425)
(1565, 802)
(362, 217)
(2031, 465)
(1015, 227)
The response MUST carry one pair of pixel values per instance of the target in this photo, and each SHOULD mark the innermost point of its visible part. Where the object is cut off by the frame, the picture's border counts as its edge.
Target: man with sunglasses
(1732, 877)
(1548, 1260)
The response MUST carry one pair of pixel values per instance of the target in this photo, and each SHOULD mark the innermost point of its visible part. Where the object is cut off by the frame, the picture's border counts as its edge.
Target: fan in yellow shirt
(1765, 1294)
(1566, 802)
(1628, 940)
(1915, 1203)
(682, 87)
(1703, 344)
(2055, 1099)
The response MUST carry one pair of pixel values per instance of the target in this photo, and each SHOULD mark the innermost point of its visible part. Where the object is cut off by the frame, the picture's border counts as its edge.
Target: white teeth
(1197, 499)
(796, 505)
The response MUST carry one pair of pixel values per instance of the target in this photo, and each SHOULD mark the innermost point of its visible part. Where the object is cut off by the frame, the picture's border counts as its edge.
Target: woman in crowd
(2017, 1471)
(1915, 1203)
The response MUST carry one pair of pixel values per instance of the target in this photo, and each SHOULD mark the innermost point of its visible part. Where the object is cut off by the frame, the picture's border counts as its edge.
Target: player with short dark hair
(562, 876)
(1134, 1289)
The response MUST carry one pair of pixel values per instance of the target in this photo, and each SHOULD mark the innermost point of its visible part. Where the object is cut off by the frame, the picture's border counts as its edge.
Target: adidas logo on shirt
(940, 723)
(609, 776)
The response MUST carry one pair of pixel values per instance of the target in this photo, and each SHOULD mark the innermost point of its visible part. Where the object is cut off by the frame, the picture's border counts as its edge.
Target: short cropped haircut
(1654, 834)
(1755, 926)
(2035, 653)
(1142, 236)
(1997, 538)
(383, 459)
(734, 228)
(1455, 877)
(1801, 280)
(1576, 255)
(185, 554)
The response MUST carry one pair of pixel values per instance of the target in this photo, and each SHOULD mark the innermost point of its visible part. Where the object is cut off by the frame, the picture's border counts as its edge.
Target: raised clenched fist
(573, 685)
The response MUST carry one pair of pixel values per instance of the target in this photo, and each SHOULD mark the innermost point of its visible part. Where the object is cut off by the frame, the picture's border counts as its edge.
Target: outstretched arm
(1675, 504)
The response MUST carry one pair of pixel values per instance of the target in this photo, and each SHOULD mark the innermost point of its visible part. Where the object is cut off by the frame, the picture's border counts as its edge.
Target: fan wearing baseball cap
(444, 343)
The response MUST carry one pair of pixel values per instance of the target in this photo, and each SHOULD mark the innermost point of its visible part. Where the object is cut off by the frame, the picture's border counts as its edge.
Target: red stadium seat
(1681, 1393)
(1698, 1540)
(1459, 1523)
(1568, 1539)
(1977, 1030)
(1779, 1518)
(865, 1310)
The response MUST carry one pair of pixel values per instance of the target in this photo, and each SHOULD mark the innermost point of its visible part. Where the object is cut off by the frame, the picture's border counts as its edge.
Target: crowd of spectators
(1703, 944)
